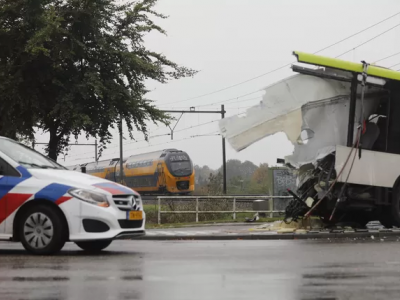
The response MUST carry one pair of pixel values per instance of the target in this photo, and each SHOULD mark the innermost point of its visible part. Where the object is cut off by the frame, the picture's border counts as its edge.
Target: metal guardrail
(234, 199)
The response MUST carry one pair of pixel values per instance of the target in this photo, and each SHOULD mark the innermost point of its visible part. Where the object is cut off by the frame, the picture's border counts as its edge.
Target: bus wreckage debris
(343, 120)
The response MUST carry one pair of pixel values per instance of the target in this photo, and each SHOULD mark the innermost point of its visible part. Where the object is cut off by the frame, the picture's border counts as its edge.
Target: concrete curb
(218, 225)
(284, 236)
(208, 225)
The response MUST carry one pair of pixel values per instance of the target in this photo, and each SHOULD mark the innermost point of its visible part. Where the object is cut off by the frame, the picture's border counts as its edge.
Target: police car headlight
(90, 197)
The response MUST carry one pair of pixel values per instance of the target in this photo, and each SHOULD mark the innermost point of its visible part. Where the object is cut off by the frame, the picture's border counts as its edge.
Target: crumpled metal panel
(296, 103)
(328, 119)
(280, 110)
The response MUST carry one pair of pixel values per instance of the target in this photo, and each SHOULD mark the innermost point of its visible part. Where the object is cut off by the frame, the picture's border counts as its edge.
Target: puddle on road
(131, 278)
(360, 281)
(34, 279)
(333, 276)
(114, 278)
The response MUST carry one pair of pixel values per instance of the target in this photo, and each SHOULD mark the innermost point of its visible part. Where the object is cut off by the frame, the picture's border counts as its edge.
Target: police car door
(9, 178)
(3, 194)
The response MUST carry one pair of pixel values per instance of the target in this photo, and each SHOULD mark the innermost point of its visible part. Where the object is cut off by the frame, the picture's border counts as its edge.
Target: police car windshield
(25, 156)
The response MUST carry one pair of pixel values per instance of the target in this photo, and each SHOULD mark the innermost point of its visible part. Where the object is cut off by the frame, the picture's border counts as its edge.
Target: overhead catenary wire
(194, 126)
(226, 100)
(126, 144)
(390, 56)
(244, 112)
(394, 65)
(173, 141)
(371, 39)
(150, 137)
(288, 64)
(244, 100)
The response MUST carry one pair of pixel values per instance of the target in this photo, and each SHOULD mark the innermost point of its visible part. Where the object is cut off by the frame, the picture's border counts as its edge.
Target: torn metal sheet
(328, 120)
(280, 110)
(293, 104)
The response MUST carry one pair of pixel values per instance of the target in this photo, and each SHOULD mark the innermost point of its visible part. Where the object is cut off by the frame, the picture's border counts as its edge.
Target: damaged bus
(343, 120)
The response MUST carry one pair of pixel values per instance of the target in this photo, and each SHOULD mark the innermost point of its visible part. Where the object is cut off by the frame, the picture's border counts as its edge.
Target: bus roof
(344, 65)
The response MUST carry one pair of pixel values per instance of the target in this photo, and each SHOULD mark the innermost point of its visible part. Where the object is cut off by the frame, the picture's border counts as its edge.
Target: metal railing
(234, 199)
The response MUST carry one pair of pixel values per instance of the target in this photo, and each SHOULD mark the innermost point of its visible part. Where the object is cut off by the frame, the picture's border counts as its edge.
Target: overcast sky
(231, 41)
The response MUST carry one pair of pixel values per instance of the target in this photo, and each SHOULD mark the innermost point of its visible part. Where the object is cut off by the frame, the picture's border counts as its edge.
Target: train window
(141, 181)
(175, 166)
(139, 164)
(177, 158)
(181, 168)
(95, 170)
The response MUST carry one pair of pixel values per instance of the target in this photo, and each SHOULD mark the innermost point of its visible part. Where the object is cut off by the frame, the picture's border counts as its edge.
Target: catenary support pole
(95, 151)
(223, 154)
(194, 111)
(121, 153)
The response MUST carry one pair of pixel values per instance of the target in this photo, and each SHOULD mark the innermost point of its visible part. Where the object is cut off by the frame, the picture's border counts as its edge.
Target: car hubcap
(38, 230)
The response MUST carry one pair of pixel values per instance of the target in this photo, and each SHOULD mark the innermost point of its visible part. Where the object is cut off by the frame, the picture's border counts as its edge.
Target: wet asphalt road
(206, 270)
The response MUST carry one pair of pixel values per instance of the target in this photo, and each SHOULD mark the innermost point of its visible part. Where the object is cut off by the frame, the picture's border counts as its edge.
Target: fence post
(234, 208)
(271, 207)
(159, 211)
(197, 210)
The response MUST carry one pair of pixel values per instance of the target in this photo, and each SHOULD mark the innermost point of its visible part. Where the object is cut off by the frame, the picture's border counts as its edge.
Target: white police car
(44, 205)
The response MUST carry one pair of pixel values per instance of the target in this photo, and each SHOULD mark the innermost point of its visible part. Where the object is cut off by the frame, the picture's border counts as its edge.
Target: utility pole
(95, 150)
(121, 153)
(193, 111)
(223, 153)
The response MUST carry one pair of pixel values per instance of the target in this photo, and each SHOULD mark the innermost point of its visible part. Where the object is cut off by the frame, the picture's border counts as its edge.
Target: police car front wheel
(41, 230)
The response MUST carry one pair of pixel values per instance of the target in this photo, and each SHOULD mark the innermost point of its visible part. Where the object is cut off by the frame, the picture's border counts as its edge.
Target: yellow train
(162, 172)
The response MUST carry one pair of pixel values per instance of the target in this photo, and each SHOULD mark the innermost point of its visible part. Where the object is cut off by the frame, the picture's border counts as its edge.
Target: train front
(180, 174)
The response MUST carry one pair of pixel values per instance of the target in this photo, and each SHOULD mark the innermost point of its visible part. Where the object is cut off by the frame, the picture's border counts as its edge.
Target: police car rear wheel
(93, 246)
(41, 230)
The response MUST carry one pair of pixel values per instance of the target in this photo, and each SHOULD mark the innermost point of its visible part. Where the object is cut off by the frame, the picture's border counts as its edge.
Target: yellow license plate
(135, 215)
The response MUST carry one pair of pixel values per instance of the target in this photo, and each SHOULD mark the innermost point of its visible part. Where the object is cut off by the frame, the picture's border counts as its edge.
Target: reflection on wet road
(304, 270)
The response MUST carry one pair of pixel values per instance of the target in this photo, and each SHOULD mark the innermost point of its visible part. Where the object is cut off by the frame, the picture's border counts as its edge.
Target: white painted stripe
(29, 186)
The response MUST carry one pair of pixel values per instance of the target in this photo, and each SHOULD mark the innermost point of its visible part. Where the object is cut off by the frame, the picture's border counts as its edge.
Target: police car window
(26, 156)
(7, 170)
